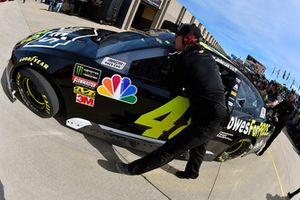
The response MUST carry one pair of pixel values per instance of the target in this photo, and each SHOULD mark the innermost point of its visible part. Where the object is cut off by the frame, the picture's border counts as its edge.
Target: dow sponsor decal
(113, 63)
(86, 76)
(252, 128)
(118, 88)
(85, 100)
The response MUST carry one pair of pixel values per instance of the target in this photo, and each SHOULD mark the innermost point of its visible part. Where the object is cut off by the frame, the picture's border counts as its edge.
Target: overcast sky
(268, 30)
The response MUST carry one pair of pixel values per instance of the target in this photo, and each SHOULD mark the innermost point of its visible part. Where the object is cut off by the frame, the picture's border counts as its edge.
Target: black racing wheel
(235, 150)
(37, 93)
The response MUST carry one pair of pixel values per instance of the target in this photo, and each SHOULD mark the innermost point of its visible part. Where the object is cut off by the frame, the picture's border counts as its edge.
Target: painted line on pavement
(277, 172)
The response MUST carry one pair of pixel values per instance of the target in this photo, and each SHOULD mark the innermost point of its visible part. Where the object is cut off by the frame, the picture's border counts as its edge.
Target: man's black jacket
(284, 110)
(199, 74)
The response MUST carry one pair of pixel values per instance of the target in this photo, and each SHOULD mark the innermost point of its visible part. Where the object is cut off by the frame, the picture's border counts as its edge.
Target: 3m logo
(85, 100)
(79, 70)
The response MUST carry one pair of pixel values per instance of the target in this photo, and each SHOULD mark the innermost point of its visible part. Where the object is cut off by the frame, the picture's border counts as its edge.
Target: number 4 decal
(164, 118)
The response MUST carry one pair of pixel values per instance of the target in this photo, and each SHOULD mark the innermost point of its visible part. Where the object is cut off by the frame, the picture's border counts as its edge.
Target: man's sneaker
(122, 168)
(259, 153)
(182, 174)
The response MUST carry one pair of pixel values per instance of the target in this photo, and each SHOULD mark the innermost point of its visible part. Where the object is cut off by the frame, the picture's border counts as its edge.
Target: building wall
(131, 13)
(158, 19)
(187, 17)
(202, 28)
(173, 11)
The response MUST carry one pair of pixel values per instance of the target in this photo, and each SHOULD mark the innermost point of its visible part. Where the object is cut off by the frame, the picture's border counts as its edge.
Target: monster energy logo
(79, 70)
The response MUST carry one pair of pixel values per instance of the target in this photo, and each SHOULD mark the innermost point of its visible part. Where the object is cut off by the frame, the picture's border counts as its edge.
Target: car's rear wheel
(235, 150)
(37, 93)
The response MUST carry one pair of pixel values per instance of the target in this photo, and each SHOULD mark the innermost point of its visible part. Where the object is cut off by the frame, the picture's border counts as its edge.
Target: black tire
(235, 150)
(37, 93)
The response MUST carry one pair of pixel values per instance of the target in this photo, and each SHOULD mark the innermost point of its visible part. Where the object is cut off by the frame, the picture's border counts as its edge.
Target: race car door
(163, 113)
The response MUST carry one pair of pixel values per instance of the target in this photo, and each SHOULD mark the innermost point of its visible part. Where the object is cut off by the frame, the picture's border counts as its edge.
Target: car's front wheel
(235, 150)
(37, 93)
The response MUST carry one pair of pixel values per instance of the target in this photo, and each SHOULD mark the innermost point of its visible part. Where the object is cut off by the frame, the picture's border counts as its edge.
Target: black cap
(189, 29)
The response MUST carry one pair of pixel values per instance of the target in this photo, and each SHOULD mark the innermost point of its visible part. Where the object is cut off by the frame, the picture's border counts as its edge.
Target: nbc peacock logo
(118, 88)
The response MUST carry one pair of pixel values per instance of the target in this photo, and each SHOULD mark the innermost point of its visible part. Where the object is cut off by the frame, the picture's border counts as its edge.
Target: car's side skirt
(121, 138)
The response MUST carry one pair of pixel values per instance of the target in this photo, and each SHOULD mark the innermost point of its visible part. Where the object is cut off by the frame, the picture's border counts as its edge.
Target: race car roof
(129, 41)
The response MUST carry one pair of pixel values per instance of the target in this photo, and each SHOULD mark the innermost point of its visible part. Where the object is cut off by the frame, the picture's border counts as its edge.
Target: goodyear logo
(36, 60)
(84, 91)
(252, 128)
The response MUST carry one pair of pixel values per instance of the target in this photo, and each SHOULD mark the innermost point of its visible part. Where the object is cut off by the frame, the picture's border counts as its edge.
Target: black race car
(116, 86)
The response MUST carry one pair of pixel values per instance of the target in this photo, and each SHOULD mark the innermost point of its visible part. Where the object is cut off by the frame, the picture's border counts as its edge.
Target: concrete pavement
(40, 159)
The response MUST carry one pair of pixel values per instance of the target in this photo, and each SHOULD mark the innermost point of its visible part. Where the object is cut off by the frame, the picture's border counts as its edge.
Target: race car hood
(77, 40)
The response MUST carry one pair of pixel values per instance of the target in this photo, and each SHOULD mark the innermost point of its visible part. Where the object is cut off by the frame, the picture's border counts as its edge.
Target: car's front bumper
(8, 86)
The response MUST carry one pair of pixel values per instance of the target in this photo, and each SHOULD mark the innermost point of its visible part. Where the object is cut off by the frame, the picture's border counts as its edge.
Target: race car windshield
(128, 41)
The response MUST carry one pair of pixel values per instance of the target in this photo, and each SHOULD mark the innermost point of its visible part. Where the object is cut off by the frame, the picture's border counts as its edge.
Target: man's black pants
(278, 128)
(195, 137)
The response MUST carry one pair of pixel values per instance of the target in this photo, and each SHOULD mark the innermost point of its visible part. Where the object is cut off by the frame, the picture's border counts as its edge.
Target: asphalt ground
(41, 159)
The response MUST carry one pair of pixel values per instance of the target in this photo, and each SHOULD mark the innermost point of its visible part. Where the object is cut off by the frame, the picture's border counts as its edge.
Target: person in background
(281, 114)
(71, 6)
(201, 79)
(272, 92)
(58, 5)
(262, 87)
(51, 5)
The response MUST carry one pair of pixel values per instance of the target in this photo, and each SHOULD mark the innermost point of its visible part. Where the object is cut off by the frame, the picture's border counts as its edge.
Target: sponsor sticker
(36, 60)
(238, 80)
(118, 88)
(236, 87)
(113, 63)
(84, 91)
(86, 76)
(233, 93)
(226, 64)
(263, 113)
(85, 100)
(252, 127)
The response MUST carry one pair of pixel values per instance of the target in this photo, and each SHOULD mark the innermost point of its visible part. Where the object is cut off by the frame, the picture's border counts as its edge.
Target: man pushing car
(199, 74)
